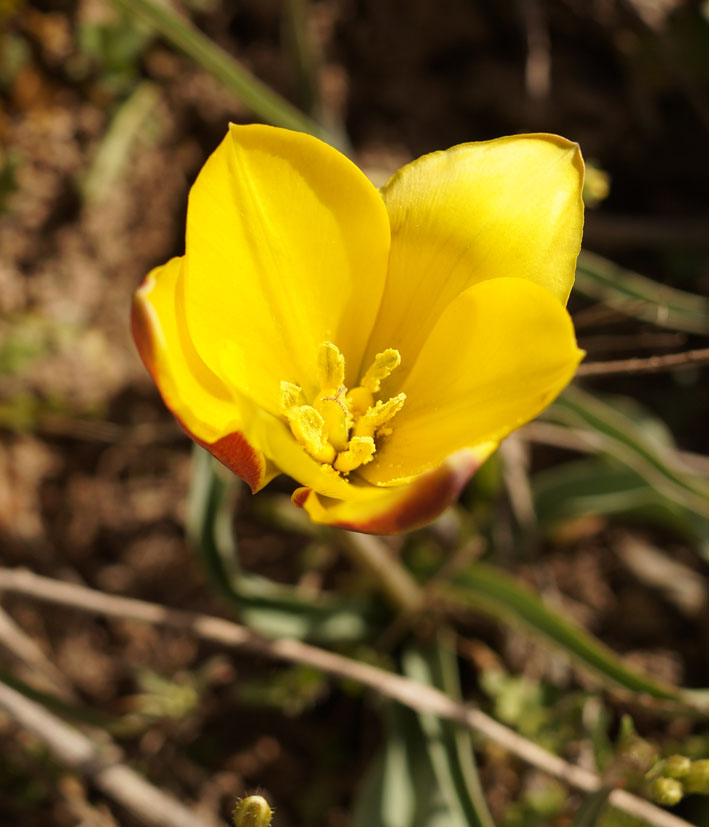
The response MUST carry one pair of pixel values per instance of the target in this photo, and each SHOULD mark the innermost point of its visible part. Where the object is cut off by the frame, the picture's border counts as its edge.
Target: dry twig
(649, 364)
(152, 806)
(419, 697)
(34, 666)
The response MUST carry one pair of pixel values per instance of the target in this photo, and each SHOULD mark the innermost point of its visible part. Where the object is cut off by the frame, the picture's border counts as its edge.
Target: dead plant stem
(649, 364)
(419, 697)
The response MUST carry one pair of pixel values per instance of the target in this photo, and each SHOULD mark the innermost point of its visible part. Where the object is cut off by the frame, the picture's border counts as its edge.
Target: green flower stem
(372, 555)
(257, 96)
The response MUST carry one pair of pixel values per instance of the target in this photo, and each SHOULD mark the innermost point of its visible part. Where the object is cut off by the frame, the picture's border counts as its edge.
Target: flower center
(339, 426)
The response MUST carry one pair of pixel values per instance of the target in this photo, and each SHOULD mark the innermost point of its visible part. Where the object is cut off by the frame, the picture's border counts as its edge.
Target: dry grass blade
(152, 806)
(417, 696)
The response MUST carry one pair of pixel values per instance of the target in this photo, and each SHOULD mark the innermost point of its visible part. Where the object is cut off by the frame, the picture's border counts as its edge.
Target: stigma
(340, 427)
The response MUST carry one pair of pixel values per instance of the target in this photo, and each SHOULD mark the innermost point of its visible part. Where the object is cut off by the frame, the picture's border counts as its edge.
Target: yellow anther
(361, 450)
(336, 416)
(335, 426)
(331, 367)
(291, 396)
(359, 399)
(376, 418)
(384, 363)
(308, 428)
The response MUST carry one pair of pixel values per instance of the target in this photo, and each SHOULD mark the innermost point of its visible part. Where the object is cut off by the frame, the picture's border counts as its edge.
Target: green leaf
(257, 96)
(388, 795)
(618, 435)
(270, 608)
(599, 486)
(639, 296)
(449, 747)
(425, 774)
(493, 592)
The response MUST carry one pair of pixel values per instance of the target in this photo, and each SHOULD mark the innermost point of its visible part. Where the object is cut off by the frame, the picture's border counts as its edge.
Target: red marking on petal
(299, 496)
(421, 501)
(142, 334)
(239, 456)
(428, 497)
(233, 450)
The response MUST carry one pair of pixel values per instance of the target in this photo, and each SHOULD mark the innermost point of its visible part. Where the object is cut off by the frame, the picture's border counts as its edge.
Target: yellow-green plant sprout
(376, 346)
(252, 811)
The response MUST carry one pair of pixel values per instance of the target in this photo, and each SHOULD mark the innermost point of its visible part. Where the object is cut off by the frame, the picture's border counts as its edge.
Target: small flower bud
(252, 811)
(675, 766)
(596, 185)
(697, 779)
(666, 791)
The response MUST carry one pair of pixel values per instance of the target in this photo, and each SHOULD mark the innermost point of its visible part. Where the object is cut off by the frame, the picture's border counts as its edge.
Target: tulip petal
(497, 356)
(403, 508)
(287, 247)
(505, 208)
(231, 426)
(203, 405)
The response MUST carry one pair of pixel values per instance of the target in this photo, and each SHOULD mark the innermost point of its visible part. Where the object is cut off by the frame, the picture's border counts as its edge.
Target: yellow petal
(505, 208)
(392, 510)
(498, 355)
(287, 246)
(237, 431)
(201, 402)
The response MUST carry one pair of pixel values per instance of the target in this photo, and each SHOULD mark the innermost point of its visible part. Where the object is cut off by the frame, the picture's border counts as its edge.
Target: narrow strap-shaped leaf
(271, 608)
(388, 794)
(450, 749)
(597, 486)
(257, 96)
(424, 774)
(490, 590)
(639, 296)
(620, 438)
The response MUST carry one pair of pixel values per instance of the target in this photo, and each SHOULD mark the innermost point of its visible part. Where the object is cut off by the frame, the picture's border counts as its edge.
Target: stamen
(376, 418)
(308, 428)
(338, 427)
(384, 363)
(331, 367)
(360, 452)
(336, 416)
(291, 396)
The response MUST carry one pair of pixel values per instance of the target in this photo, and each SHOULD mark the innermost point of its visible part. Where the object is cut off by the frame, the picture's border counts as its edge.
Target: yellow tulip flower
(376, 346)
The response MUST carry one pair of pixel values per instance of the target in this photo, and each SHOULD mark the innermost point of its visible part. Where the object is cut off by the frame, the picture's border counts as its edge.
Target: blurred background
(107, 111)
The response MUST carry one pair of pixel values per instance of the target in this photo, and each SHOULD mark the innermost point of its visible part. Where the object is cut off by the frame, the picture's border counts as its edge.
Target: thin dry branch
(419, 697)
(152, 806)
(34, 666)
(649, 364)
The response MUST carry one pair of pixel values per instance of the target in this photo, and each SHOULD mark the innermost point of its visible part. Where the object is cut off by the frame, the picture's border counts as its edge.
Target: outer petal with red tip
(400, 508)
(203, 405)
